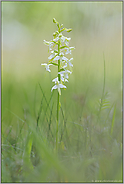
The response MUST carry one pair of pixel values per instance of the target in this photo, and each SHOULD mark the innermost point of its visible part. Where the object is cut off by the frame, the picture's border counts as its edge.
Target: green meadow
(90, 125)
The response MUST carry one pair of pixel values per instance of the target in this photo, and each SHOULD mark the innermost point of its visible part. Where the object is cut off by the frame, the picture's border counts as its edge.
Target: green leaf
(61, 70)
(53, 63)
(65, 46)
(52, 59)
(55, 51)
(55, 42)
(27, 153)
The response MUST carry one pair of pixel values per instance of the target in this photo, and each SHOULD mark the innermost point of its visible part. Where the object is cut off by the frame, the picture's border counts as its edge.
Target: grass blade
(113, 119)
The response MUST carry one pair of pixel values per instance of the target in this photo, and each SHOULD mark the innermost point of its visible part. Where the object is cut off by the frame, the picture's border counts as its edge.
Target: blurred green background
(96, 31)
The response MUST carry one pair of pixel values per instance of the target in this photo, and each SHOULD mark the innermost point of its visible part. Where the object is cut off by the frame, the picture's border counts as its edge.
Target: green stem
(57, 122)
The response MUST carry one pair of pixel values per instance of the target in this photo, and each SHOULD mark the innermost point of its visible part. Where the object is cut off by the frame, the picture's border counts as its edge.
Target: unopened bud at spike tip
(54, 20)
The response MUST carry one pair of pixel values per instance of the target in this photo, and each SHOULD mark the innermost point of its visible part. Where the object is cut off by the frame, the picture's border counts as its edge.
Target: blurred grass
(88, 149)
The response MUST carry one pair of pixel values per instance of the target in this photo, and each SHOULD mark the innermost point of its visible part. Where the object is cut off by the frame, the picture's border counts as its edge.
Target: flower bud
(54, 20)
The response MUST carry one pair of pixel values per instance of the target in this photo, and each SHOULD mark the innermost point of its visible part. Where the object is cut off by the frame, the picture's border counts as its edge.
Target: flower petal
(51, 56)
(65, 65)
(47, 66)
(56, 58)
(70, 64)
(64, 58)
(44, 64)
(54, 87)
(61, 86)
(46, 42)
(55, 80)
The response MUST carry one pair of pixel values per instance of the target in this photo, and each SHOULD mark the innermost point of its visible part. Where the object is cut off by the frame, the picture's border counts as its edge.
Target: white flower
(55, 80)
(63, 79)
(65, 65)
(67, 41)
(68, 61)
(65, 73)
(58, 85)
(61, 54)
(56, 58)
(64, 58)
(56, 39)
(52, 55)
(62, 39)
(68, 50)
(48, 43)
(47, 66)
(70, 64)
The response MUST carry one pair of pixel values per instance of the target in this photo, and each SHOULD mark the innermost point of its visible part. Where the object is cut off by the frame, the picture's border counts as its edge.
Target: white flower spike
(59, 47)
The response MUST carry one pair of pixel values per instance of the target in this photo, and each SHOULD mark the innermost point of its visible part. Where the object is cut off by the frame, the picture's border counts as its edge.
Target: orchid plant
(59, 47)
